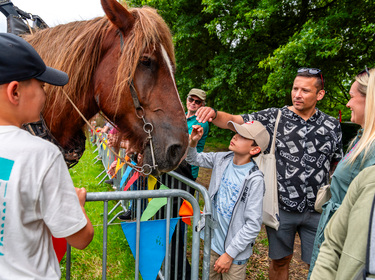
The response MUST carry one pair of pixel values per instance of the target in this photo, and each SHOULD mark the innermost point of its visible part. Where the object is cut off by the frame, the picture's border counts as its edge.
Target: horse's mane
(76, 48)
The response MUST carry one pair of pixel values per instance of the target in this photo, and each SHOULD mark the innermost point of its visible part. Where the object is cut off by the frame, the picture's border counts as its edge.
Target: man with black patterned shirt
(308, 145)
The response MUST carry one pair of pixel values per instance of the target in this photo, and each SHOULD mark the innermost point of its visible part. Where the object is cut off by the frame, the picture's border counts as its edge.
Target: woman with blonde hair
(361, 151)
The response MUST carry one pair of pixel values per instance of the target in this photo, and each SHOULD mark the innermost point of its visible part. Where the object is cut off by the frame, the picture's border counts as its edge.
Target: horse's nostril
(174, 154)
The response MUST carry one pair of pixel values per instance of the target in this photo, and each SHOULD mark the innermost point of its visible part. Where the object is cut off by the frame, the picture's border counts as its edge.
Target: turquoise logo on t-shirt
(6, 166)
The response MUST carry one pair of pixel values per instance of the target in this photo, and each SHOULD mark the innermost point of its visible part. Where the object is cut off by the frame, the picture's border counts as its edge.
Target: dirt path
(257, 268)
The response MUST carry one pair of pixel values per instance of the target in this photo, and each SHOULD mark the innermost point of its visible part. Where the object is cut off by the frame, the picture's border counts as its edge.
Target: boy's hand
(223, 263)
(81, 193)
(196, 135)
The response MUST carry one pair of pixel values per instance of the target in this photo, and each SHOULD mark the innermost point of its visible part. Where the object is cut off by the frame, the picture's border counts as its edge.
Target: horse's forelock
(149, 32)
(154, 28)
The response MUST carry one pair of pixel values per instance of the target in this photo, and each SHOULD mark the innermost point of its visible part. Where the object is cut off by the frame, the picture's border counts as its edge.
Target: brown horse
(104, 57)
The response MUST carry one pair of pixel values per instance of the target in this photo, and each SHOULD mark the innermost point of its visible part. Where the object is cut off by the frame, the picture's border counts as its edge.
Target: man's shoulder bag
(267, 164)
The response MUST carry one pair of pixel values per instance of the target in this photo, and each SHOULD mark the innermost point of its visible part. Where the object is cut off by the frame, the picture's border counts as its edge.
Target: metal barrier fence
(180, 188)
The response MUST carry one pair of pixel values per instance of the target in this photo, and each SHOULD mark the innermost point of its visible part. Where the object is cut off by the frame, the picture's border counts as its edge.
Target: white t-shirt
(37, 199)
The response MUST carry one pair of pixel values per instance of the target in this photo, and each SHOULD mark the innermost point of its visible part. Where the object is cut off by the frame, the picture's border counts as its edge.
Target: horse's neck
(67, 126)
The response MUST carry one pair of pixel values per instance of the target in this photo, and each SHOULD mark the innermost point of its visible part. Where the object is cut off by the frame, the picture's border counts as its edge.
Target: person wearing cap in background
(37, 196)
(196, 99)
(308, 147)
(236, 189)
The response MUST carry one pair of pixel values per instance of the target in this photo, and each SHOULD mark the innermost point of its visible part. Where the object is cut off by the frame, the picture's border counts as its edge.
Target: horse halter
(140, 113)
(72, 153)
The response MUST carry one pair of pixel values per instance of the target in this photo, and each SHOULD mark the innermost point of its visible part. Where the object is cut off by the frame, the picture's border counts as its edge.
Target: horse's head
(103, 57)
(139, 50)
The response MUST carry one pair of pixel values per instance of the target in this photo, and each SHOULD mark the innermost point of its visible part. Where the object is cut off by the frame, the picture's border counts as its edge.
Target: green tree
(337, 37)
(245, 53)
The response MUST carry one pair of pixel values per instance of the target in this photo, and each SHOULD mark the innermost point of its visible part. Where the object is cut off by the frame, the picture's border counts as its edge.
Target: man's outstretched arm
(218, 118)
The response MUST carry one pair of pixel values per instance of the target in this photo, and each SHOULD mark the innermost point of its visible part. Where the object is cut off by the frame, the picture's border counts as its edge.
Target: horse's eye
(146, 61)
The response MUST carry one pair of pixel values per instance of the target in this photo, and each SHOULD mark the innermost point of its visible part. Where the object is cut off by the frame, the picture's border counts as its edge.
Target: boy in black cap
(37, 196)
(236, 189)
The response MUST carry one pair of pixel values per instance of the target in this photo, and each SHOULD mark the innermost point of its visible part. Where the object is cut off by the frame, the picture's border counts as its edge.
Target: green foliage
(218, 138)
(245, 53)
(337, 42)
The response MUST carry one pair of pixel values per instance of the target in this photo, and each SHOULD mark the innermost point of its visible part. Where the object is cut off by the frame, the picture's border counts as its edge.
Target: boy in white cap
(236, 189)
(37, 196)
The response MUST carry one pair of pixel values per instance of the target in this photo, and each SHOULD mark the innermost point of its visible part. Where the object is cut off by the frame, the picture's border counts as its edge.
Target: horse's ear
(118, 15)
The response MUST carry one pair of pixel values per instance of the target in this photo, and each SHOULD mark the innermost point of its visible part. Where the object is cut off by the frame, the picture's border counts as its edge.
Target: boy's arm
(195, 136)
(82, 238)
(202, 141)
(193, 157)
(205, 160)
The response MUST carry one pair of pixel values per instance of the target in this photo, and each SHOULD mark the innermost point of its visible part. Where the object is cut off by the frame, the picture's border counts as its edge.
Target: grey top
(246, 218)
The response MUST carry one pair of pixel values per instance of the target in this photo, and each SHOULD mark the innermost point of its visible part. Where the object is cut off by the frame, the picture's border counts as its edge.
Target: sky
(55, 12)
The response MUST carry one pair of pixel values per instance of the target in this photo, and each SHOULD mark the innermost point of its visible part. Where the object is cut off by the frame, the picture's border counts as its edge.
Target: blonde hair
(367, 88)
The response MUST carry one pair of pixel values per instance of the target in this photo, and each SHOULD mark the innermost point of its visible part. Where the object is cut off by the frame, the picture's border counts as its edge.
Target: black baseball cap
(19, 61)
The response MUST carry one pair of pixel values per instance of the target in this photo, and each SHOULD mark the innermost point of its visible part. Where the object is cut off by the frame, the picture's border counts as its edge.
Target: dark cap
(19, 61)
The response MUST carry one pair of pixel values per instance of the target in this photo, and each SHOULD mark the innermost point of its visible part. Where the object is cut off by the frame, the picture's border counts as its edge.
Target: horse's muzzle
(174, 155)
(165, 161)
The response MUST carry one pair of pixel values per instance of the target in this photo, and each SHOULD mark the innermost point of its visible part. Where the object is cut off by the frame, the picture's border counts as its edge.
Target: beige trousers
(236, 271)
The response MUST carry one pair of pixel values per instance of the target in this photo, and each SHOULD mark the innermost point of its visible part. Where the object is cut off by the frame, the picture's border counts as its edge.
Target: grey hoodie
(246, 218)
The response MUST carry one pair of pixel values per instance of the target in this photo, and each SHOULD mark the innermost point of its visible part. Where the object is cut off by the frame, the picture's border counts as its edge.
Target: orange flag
(186, 211)
(119, 165)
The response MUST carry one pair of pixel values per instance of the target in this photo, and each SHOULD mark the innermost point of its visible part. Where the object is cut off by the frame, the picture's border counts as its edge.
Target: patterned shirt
(304, 153)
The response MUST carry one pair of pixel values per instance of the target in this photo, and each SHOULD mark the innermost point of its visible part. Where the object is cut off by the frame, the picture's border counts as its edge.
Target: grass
(87, 264)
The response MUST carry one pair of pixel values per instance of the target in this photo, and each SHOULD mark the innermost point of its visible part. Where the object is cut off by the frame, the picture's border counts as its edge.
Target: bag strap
(272, 150)
(17, 19)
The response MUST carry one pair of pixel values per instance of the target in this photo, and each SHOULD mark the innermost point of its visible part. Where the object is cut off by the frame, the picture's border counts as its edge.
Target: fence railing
(180, 188)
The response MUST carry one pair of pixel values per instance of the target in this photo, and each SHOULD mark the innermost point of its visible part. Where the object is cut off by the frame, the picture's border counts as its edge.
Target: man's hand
(205, 114)
(223, 263)
(218, 118)
(196, 135)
